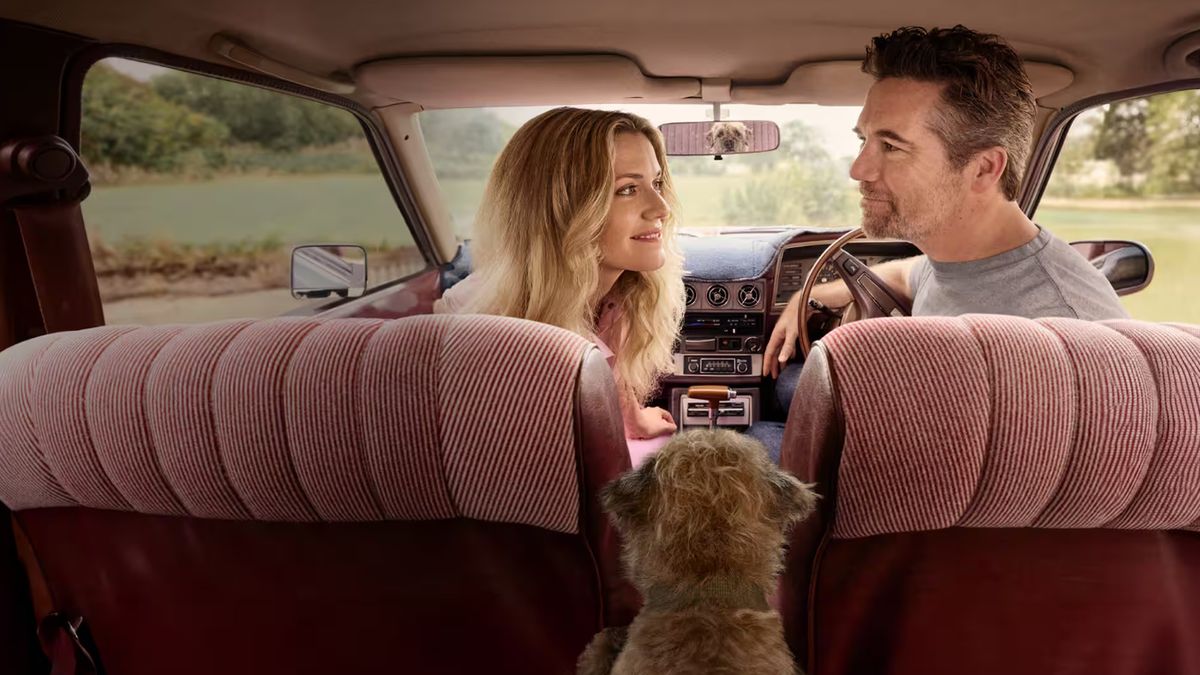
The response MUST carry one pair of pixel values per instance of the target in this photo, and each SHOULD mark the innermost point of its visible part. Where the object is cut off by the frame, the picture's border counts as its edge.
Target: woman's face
(632, 237)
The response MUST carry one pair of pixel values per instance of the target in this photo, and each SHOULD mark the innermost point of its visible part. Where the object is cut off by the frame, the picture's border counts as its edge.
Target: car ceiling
(1108, 44)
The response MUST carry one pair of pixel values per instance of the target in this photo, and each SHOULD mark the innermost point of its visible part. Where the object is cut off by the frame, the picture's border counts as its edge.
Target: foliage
(1152, 145)
(799, 184)
(125, 123)
(269, 119)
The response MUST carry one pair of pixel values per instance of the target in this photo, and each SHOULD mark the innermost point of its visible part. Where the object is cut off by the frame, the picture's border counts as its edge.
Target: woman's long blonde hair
(537, 241)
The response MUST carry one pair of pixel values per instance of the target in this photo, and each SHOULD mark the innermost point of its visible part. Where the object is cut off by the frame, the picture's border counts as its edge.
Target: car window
(805, 182)
(201, 187)
(1131, 170)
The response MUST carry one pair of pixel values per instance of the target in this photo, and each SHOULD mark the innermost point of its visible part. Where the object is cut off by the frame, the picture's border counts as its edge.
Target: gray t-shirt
(1045, 277)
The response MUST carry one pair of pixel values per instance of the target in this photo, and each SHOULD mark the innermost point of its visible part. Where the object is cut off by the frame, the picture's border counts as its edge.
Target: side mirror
(729, 137)
(328, 269)
(1127, 265)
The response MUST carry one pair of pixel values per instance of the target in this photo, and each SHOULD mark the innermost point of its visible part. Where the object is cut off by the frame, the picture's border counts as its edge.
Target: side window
(201, 187)
(1131, 170)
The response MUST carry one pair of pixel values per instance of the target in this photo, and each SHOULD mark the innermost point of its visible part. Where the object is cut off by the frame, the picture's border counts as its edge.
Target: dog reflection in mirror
(703, 523)
(729, 137)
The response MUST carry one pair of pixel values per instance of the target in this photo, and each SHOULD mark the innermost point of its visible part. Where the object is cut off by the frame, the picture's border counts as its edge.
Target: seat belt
(60, 264)
(42, 182)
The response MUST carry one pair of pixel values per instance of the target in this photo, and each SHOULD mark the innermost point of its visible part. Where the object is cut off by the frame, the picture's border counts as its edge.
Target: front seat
(1001, 495)
(308, 496)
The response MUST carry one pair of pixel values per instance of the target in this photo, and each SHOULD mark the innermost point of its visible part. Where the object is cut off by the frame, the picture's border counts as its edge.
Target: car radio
(724, 332)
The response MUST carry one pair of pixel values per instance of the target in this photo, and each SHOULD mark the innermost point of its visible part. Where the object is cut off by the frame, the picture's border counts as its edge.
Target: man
(946, 131)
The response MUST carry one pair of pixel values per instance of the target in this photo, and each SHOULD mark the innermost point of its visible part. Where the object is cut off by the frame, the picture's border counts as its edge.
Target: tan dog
(729, 137)
(703, 523)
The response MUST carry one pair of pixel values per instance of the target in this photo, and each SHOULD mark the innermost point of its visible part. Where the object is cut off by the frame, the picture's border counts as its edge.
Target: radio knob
(693, 366)
(753, 344)
(742, 366)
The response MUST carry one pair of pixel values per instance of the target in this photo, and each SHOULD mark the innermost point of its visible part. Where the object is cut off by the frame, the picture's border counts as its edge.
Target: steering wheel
(873, 298)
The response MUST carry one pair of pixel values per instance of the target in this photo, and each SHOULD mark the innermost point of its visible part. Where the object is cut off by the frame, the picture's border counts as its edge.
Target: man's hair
(989, 101)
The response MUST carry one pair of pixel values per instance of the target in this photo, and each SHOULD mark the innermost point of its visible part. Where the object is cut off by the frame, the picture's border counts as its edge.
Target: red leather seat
(304, 496)
(1001, 496)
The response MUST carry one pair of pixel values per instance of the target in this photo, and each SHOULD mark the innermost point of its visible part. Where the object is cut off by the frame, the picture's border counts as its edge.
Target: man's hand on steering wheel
(876, 296)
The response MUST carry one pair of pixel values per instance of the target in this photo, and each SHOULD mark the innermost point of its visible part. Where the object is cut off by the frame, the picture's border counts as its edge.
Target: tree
(799, 184)
(1173, 125)
(125, 123)
(265, 118)
(1121, 137)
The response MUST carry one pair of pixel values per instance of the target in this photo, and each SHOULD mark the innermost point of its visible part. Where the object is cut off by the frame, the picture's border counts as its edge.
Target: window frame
(71, 124)
(1050, 143)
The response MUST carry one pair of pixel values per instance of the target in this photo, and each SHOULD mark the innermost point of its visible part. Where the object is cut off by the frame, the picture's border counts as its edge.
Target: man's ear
(795, 501)
(627, 499)
(987, 169)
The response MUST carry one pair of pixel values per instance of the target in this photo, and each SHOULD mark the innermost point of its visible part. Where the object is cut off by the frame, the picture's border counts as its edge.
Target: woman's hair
(537, 241)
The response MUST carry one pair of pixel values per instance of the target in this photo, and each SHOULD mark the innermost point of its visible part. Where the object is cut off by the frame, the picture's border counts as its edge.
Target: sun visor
(844, 83)
(479, 81)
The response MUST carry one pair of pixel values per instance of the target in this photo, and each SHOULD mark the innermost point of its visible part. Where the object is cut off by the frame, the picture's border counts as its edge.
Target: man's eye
(888, 147)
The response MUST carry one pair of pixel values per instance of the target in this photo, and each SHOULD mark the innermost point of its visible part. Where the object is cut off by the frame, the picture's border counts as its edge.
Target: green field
(359, 208)
(292, 209)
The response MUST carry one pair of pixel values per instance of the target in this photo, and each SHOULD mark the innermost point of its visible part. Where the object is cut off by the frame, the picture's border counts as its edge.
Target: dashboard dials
(689, 294)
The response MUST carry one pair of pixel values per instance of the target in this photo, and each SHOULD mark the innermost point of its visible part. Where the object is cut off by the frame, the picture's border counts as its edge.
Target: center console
(721, 342)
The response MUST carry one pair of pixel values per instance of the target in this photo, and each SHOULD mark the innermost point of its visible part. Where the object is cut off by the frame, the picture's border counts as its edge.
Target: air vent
(748, 295)
(689, 294)
(717, 295)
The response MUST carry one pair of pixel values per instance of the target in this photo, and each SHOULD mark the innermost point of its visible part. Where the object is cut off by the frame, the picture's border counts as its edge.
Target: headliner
(1108, 44)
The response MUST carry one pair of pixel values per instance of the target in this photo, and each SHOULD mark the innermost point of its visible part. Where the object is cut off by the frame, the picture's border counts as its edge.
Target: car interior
(314, 473)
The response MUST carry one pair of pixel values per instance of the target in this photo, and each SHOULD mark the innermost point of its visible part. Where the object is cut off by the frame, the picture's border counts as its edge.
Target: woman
(576, 229)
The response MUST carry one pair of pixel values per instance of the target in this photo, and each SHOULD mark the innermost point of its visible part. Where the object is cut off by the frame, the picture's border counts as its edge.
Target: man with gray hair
(946, 132)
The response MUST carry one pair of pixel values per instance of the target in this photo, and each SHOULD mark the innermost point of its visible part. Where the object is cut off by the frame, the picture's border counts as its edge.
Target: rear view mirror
(329, 269)
(1127, 265)
(728, 137)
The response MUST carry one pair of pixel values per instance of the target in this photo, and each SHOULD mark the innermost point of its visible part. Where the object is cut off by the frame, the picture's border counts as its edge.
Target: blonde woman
(576, 229)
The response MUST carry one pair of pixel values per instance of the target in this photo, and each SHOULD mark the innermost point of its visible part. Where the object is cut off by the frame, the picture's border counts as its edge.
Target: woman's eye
(658, 185)
(626, 190)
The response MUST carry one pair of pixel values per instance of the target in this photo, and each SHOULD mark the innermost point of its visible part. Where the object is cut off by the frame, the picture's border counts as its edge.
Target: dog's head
(726, 137)
(710, 503)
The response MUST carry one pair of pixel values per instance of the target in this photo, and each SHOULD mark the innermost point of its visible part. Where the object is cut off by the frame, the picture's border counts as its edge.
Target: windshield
(805, 182)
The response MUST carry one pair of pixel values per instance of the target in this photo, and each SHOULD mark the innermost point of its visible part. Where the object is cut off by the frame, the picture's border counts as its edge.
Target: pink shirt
(456, 299)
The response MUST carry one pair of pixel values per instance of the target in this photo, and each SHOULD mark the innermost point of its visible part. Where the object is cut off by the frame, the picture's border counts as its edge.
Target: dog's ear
(627, 499)
(795, 500)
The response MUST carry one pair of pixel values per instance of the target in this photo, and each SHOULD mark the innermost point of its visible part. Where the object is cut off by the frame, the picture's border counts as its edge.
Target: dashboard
(736, 286)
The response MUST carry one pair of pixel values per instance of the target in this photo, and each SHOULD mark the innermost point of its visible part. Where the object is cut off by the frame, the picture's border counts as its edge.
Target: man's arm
(782, 345)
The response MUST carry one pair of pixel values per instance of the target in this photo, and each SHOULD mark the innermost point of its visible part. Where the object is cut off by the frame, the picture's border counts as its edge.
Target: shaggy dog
(729, 137)
(703, 523)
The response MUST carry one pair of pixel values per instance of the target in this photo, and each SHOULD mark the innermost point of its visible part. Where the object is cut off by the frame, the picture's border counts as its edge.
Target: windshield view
(805, 182)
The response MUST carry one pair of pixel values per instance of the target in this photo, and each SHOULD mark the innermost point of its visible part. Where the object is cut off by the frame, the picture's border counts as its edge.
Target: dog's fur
(729, 137)
(703, 523)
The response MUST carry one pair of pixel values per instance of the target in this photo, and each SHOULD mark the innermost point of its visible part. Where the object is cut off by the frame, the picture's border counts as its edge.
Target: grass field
(352, 208)
(359, 209)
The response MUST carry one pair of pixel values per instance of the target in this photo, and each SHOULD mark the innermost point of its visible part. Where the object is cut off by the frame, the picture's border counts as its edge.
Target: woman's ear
(795, 500)
(627, 499)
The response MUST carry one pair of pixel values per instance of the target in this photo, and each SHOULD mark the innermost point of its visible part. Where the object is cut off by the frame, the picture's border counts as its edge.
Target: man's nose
(865, 167)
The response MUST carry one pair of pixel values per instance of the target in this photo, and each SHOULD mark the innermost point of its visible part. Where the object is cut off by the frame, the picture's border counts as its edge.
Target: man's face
(910, 190)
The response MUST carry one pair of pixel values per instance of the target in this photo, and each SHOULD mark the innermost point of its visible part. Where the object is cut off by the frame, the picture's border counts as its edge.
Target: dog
(703, 522)
(729, 137)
